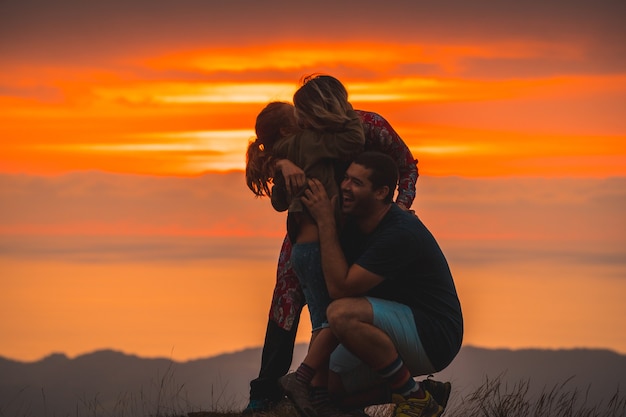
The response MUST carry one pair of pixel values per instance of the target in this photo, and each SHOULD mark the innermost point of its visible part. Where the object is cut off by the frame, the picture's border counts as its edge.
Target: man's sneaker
(418, 407)
(299, 393)
(439, 390)
(257, 408)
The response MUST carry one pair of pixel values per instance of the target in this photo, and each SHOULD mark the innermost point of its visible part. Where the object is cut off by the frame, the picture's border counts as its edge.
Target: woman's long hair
(274, 122)
(321, 103)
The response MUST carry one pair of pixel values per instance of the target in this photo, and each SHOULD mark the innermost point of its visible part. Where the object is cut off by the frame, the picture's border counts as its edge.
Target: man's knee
(347, 310)
(337, 311)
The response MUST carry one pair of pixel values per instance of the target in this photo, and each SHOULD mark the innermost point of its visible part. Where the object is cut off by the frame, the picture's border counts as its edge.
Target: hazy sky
(125, 221)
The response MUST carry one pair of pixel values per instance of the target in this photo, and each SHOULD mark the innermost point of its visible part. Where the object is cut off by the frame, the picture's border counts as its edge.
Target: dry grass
(496, 399)
(491, 399)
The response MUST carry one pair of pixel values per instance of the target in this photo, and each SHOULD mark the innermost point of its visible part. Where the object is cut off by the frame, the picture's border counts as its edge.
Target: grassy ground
(491, 399)
(494, 399)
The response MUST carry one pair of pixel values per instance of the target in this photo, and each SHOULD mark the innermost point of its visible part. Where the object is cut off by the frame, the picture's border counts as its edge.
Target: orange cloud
(186, 112)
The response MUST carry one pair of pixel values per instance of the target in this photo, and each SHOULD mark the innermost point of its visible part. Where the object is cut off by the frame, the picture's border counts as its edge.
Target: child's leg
(306, 261)
(318, 356)
(310, 388)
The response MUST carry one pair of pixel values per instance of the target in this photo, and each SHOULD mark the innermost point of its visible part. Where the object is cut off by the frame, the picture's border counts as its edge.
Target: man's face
(356, 190)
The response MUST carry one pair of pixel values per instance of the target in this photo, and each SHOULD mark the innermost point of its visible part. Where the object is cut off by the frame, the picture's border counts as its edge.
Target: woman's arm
(381, 137)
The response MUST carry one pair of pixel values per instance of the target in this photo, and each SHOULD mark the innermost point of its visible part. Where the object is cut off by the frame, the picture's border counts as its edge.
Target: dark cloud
(484, 253)
(91, 32)
(104, 217)
(146, 249)
(217, 202)
(40, 93)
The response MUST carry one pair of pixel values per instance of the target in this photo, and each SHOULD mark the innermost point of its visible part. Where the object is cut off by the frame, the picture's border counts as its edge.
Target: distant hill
(112, 383)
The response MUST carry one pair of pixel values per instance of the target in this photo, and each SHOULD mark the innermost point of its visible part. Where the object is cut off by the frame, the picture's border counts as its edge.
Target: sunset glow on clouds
(121, 124)
(124, 121)
(520, 93)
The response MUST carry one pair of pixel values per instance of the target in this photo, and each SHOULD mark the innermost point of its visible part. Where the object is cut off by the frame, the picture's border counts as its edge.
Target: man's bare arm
(341, 280)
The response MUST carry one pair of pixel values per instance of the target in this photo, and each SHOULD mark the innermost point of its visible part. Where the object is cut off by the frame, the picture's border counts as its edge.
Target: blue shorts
(398, 322)
(306, 261)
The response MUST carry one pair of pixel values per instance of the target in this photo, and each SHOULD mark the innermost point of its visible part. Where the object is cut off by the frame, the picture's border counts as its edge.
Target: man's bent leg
(374, 395)
(397, 321)
(352, 322)
(376, 335)
(363, 325)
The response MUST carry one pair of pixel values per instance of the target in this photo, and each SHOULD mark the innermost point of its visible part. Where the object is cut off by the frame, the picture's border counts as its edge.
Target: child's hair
(321, 103)
(274, 122)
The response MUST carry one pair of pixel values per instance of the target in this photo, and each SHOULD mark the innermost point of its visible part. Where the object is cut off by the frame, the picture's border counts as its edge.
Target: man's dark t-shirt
(403, 251)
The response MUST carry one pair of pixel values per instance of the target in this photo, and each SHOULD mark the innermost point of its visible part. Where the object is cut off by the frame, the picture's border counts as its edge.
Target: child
(275, 122)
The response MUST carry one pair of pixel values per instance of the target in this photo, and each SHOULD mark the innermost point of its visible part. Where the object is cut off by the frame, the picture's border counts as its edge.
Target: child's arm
(293, 175)
(279, 198)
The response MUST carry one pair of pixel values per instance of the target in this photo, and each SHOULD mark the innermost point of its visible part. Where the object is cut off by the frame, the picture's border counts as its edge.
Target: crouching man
(395, 315)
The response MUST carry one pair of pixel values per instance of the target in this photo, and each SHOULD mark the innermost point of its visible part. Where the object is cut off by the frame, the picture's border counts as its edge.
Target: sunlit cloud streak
(507, 90)
(573, 212)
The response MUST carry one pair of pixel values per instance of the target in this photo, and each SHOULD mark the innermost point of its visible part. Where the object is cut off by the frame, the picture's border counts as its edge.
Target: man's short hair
(384, 171)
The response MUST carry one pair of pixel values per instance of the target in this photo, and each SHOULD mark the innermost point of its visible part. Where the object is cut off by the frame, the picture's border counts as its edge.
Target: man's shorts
(398, 322)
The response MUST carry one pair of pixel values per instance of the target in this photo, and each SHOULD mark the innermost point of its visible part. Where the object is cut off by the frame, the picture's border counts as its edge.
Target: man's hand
(316, 200)
(293, 174)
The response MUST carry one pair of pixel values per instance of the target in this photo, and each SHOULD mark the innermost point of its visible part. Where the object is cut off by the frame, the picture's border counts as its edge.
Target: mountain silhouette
(112, 382)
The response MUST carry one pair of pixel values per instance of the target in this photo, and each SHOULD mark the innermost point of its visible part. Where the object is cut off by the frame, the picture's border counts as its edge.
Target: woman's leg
(275, 362)
(280, 334)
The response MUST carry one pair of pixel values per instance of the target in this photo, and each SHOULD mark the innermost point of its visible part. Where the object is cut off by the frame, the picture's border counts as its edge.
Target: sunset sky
(125, 222)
